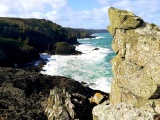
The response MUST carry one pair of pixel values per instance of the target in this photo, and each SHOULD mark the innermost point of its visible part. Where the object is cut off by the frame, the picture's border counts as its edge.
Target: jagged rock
(136, 66)
(67, 106)
(120, 111)
(60, 105)
(55, 108)
(31, 95)
(122, 19)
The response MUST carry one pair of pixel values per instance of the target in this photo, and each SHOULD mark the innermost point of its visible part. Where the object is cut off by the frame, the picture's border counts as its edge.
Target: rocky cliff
(39, 33)
(21, 40)
(136, 67)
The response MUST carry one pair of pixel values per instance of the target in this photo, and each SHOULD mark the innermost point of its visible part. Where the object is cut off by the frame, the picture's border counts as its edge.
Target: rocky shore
(135, 92)
(31, 95)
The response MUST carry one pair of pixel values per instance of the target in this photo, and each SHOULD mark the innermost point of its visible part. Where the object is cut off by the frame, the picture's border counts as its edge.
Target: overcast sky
(79, 13)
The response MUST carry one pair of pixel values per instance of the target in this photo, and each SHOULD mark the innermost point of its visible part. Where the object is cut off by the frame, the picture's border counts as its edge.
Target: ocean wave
(99, 37)
(79, 67)
(102, 84)
(85, 39)
(90, 67)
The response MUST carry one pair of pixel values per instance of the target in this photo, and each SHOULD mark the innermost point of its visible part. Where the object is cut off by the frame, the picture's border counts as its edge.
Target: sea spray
(92, 66)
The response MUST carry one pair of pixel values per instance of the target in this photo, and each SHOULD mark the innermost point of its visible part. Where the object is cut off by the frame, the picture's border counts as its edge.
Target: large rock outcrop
(136, 67)
(63, 48)
(30, 95)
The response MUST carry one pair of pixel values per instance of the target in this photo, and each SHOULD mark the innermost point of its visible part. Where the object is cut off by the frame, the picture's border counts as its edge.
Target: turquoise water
(103, 40)
(92, 67)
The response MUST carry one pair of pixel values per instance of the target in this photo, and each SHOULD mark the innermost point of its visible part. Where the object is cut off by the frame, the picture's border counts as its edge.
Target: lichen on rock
(122, 19)
(120, 111)
(136, 67)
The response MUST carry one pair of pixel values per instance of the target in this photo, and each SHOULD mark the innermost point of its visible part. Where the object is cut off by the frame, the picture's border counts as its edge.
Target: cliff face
(39, 33)
(85, 33)
(79, 33)
(21, 40)
(136, 67)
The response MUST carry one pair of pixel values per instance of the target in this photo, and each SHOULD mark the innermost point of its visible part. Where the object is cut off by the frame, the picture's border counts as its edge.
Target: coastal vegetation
(20, 37)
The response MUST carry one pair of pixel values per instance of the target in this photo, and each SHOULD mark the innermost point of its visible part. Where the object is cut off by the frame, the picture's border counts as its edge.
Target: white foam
(79, 67)
(99, 37)
(89, 67)
(102, 84)
(85, 39)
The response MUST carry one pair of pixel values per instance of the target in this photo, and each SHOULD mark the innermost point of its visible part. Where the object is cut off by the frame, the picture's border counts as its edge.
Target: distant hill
(85, 33)
(79, 33)
(97, 30)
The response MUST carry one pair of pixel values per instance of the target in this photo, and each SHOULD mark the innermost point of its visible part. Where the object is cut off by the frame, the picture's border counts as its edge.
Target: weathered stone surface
(120, 111)
(67, 106)
(55, 108)
(136, 68)
(122, 19)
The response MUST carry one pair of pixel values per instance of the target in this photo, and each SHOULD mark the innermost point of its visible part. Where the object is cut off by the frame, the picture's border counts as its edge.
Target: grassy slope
(35, 32)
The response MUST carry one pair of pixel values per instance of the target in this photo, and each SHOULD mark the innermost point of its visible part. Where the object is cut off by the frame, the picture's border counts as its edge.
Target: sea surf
(92, 67)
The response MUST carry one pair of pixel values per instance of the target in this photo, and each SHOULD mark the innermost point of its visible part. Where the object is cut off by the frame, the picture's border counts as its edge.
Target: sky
(89, 14)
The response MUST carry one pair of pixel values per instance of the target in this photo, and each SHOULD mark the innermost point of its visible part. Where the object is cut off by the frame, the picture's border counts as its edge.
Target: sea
(92, 67)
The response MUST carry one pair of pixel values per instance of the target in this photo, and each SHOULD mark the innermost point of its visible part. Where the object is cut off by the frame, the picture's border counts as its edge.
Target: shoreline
(82, 67)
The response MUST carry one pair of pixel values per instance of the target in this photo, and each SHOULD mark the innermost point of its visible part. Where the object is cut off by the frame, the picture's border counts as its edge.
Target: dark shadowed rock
(4, 61)
(30, 95)
(10, 54)
(96, 49)
(63, 48)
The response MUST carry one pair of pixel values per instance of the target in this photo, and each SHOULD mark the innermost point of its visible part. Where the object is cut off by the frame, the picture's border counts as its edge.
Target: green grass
(9, 41)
